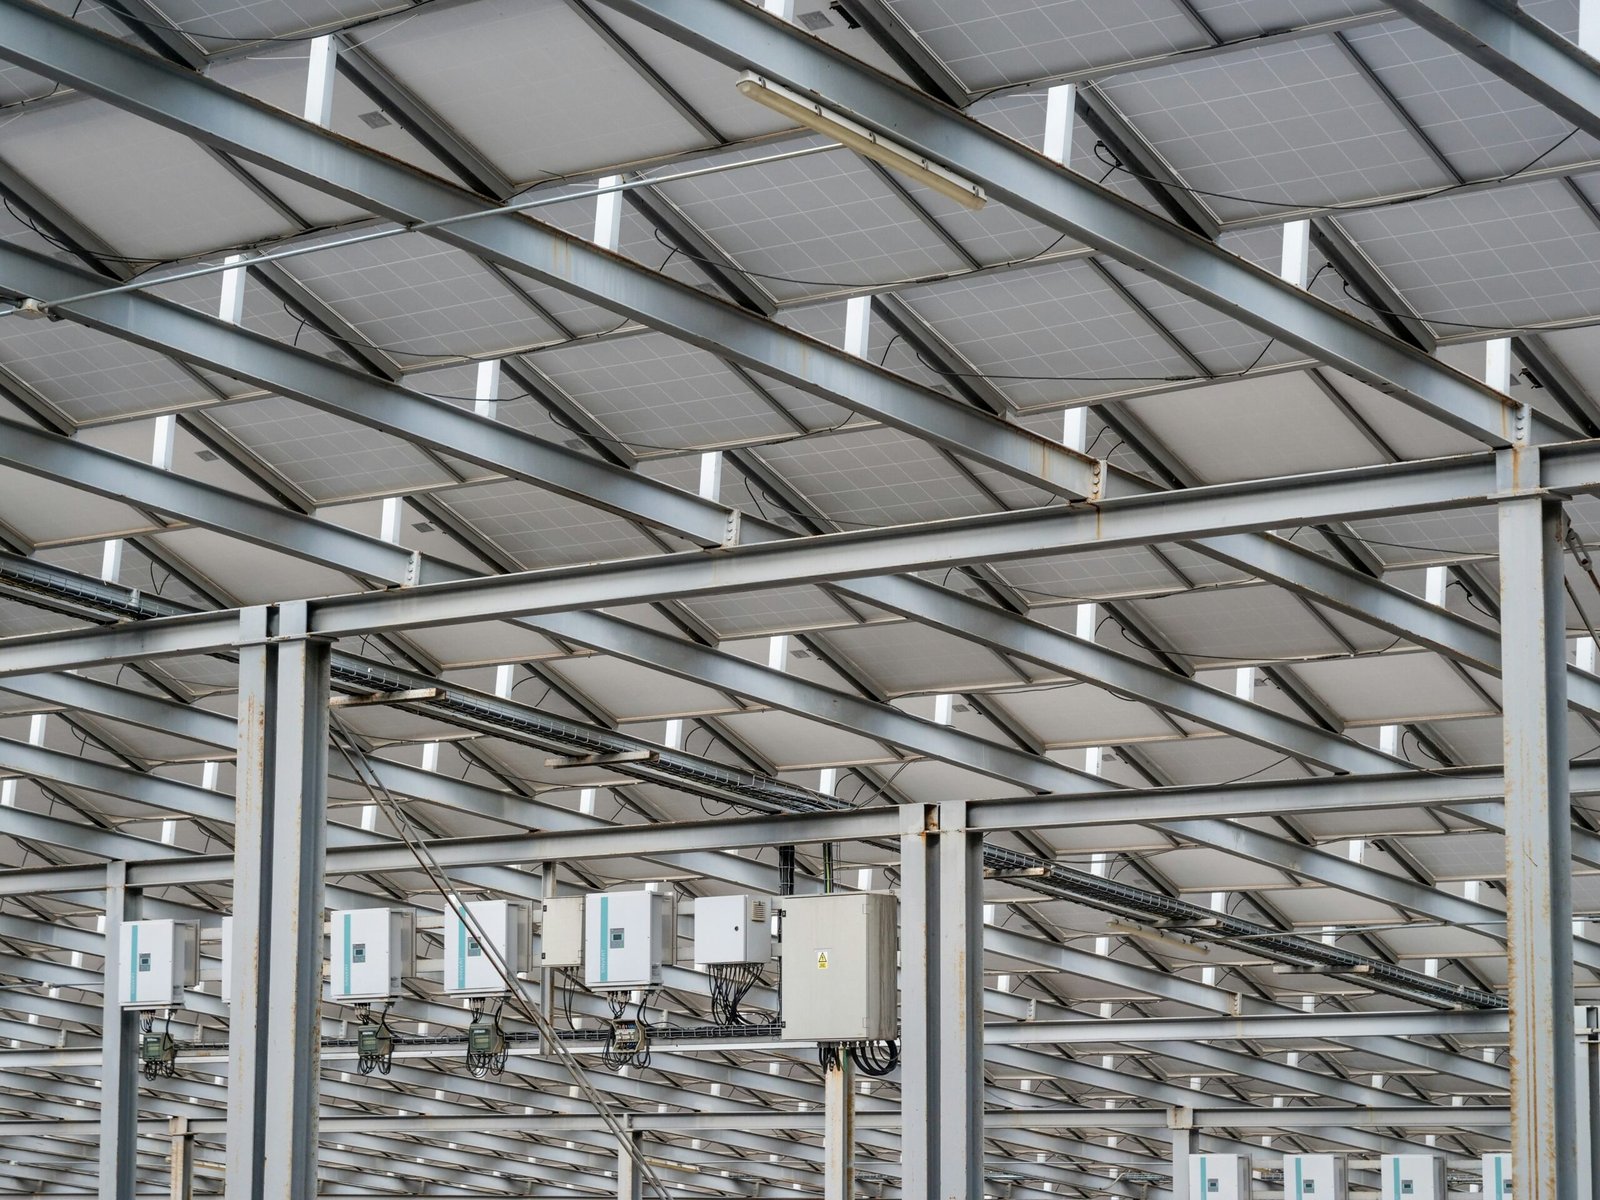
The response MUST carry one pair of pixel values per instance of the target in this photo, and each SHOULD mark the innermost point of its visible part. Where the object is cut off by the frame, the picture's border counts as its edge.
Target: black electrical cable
(1190, 378)
(877, 1058)
(1251, 658)
(561, 419)
(932, 277)
(1109, 157)
(1363, 540)
(69, 248)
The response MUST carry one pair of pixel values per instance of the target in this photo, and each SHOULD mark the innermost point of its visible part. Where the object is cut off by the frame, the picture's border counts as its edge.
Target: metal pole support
(274, 1043)
(839, 1129)
(1185, 1141)
(941, 956)
(182, 1161)
(547, 977)
(119, 1095)
(1538, 839)
(630, 1180)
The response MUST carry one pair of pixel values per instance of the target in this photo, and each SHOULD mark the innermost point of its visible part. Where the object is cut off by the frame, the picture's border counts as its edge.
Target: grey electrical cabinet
(839, 967)
(561, 932)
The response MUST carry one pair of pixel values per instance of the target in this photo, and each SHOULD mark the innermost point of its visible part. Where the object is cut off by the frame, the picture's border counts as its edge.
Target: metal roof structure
(471, 448)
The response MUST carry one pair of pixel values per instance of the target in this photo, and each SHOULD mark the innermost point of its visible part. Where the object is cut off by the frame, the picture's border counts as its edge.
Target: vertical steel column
(1586, 1022)
(960, 994)
(941, 1022)
(547, 975)
(1184, 1143)
(274, 1044)
(182, 1160)
(1538, 834)
(919, 1016)
(630, 1180)
(839, 1129)
(119, 1038)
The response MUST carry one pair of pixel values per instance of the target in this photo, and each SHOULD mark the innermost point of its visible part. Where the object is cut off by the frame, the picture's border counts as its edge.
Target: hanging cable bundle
(627, 1043)
(486, 1042)
(158, 1053)
(730, 984)
(374, 1043)
(877, 1057)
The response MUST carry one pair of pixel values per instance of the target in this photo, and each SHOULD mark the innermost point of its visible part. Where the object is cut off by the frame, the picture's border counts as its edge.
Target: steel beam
(68, 461)
(1523, 51)
(1300, 1027)
(839, 1132)
(359, 396)
(919, 1078)
(274, 1043)
(292, 372)
(218, 117)
(958, 987)
(1195, 994)
(941, 981)
(119, 1041)
(742, 37)
(214, 729)
(1135, 520)
(1538, 840)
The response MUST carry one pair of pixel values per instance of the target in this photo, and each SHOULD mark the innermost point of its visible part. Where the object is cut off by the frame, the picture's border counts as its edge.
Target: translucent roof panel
(1230, 19)
(327, 456)
(876, 477)
(89, 375)
(1292, 124)
(1050, 333)
(655, 394)
(1513, 256)
(1483, 126)
(219, 27)
(812, 225)
(485, 68)
(171, 198)
(1014, 40)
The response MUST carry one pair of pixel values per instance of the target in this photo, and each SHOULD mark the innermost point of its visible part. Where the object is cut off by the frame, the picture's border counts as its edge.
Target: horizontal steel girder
(1463, 481)
(255, 132)
(742, 37)
(202, 340)
(1520, 49)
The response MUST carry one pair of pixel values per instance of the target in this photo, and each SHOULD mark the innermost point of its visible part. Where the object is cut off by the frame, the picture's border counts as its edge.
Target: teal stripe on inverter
(461, 951)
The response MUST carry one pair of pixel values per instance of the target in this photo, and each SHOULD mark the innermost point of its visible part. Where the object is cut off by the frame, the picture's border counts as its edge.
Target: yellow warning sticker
(822, 960)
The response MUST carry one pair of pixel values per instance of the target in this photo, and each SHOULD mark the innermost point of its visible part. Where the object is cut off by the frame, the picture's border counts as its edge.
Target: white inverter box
(1412, 1177)
(839, 964)
(508, 926)
(1314, 1177)
(625, 940)
(373, 951)
(1219, 1177)
(561, 932)
(1497, 1175)
(159, 960)
(732, 929)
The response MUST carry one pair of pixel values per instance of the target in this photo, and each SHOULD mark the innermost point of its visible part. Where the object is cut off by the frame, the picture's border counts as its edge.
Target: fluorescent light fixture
(862, 140)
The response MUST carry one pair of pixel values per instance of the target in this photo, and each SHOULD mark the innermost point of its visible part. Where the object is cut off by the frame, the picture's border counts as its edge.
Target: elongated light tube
(862, 140)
